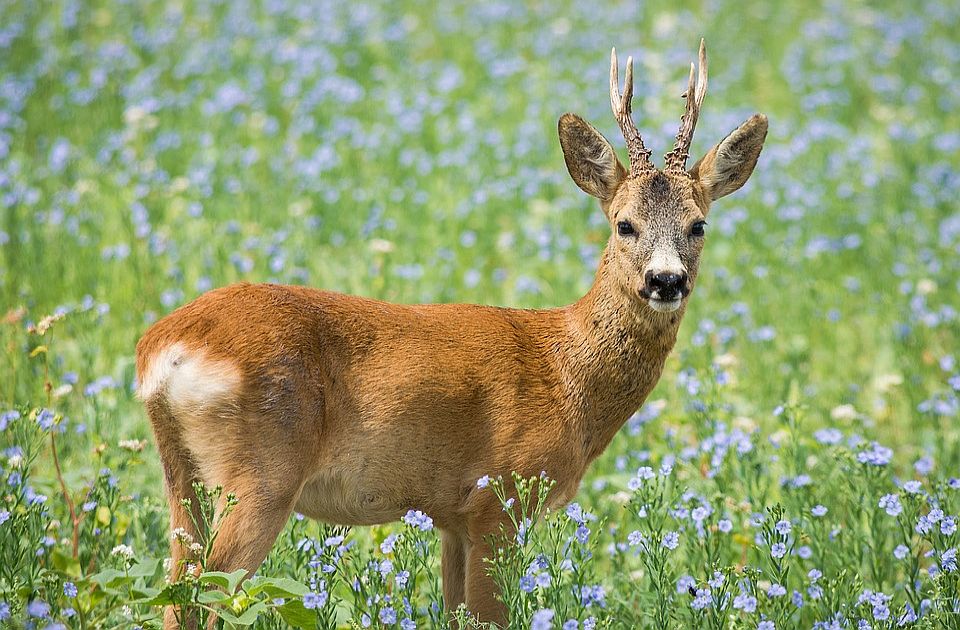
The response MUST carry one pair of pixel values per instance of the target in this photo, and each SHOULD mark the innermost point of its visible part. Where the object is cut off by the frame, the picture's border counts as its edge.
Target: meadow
(798, 466)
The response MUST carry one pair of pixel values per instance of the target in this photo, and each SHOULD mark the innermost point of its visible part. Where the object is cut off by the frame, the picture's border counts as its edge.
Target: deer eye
(697, 229)
(625, 228)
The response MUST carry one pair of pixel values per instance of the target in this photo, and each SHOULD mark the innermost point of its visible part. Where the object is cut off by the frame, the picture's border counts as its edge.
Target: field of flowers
(798, 466)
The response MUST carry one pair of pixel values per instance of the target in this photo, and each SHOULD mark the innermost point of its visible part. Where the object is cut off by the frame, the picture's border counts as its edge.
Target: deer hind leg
(266, 479)
(179, 476)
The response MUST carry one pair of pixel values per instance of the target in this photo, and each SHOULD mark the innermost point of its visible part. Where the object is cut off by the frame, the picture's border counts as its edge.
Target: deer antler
(676, 160)
(621, 105)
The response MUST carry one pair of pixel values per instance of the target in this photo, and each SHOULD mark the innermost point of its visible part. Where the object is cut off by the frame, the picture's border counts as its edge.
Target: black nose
(667, 285)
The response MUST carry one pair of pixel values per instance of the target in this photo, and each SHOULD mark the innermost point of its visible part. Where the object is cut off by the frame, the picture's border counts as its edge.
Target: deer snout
(666, 286)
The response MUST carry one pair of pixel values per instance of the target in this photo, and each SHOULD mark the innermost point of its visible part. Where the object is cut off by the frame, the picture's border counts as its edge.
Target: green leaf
(277, 587)
(213, 597)
(158, 598)
(247, 618)
(110, 579)
(146, 568)
(66, 563)
(295, 614)
(144, 593)
(226, 581)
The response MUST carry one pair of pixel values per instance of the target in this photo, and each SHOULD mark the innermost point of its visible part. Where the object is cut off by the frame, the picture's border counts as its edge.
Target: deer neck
(616, 352)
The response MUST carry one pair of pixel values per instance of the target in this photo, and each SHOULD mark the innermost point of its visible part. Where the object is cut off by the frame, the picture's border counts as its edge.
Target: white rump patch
(189, 380)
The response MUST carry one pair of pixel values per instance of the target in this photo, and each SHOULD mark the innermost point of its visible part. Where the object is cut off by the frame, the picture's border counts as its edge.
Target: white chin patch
(664, 306)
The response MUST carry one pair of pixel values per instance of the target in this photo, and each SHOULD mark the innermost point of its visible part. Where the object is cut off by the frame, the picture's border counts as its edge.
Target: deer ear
(590, 158)
(727, 166)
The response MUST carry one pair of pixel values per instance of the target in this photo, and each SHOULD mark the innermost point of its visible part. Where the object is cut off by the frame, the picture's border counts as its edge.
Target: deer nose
(666, 285)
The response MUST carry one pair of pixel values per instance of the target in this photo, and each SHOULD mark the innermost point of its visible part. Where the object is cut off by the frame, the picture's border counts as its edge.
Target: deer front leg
(482, 593)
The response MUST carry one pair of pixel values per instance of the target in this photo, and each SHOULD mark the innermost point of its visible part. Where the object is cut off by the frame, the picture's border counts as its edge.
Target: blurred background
(150, 151)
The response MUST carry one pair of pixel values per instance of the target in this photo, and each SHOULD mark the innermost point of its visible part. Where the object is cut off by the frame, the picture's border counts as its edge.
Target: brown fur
(353, 410)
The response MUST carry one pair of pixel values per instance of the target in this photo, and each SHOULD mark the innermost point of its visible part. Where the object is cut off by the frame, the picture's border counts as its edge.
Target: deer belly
(344, 498)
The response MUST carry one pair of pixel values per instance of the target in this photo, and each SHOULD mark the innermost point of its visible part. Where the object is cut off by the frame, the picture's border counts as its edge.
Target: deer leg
(179, 476)
(179, 486)
(245, 535)
(482, 591)
(453, 565)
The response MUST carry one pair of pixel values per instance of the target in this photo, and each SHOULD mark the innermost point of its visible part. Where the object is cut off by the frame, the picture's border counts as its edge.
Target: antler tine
(676, 160)
(622, 108)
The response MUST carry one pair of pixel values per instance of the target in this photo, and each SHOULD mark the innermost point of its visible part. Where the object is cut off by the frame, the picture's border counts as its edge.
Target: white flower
(844, 412)
(134, 446)
(381, 246)
(124, 551)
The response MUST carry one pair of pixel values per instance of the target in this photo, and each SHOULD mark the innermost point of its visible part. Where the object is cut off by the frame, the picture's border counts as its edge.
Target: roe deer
(353, 411)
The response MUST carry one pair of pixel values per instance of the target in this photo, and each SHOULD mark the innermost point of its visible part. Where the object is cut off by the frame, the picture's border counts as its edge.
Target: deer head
(657, 216)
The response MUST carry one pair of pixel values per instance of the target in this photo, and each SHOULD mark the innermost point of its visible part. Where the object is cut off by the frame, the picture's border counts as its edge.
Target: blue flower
(913, 487)
(797, 599)
(38, 608)
(778, 550)
(46, 419)
(542, 619)
(416, 518)
(745, 602)
(582, 534)
(571, 624)
(388, 616)
(891, 504)
(829, 436)
(776, 590)
(783, 527)
(315, 600)
(4, 611)
(590, 595)
(483, 482)
(948, 560)
(766, 624)
(876, 455)
(901, 552)
(527, 584)
(725, 526)
(70, 589)
(7, 417)
(671, 540)
(387, 545)
(408, 624)
(948, 526)
(702, 599)
(818, 511)
(4, 516)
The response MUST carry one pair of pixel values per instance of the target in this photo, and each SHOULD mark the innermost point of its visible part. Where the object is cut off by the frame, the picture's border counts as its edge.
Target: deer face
(657, 217)
(658, 231)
